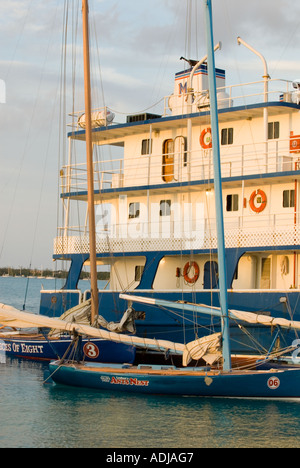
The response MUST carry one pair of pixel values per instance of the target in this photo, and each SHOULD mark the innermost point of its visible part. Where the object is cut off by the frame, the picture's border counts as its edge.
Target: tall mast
(218, 185)
(89, 157)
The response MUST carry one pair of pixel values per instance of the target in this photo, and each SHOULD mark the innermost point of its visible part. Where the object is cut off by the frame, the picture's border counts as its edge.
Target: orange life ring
(186, 271)
(206, 139)
(263, 204)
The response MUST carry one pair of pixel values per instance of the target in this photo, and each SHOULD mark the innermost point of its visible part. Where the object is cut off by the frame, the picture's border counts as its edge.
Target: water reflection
(37, 415)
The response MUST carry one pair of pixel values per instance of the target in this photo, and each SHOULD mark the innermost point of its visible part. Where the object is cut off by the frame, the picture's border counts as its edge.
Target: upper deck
(166, 149)
(164, 157)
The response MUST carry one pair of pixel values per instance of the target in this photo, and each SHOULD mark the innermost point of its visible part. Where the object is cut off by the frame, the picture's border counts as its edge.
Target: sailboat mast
(218, 185)
(89, 157)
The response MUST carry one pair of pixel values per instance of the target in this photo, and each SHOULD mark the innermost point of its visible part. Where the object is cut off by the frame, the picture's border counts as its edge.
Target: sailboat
(218, 381)
(46, 346)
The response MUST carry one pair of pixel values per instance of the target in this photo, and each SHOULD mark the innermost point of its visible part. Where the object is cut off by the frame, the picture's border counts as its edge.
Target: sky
(136, 54)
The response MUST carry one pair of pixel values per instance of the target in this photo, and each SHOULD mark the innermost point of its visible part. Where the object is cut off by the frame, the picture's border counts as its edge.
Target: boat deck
(158, 370)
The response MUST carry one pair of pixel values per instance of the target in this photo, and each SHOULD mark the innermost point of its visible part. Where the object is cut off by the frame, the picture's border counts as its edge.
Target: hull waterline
(274, 383)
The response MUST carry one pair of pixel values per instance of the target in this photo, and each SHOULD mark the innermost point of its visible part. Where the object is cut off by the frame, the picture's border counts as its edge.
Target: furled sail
(207, 348)
(241, 316)
(12, 317)
(81, 314)
(125, 325)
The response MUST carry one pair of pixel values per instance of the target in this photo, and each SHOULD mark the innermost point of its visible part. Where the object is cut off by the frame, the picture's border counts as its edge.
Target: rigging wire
(44, 172)
(61, 160)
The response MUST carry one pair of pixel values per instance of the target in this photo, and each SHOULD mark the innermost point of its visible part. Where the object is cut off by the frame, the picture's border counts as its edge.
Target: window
(232, 202)
(165, 208)
(134, 210)
(139, 269)
(273, 130)
(227, 136)
(146, 146)
(288, 199)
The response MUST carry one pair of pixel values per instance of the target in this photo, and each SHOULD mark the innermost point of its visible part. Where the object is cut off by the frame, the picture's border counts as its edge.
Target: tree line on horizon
(26, 272)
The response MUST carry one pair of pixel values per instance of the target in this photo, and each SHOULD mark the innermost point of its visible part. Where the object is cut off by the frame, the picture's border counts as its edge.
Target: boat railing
(242, 229)
(243, 94)
(236, 161)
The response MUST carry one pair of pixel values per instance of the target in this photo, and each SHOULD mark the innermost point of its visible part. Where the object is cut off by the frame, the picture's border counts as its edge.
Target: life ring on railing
(206, 139)
(262, 202)
(187, 269)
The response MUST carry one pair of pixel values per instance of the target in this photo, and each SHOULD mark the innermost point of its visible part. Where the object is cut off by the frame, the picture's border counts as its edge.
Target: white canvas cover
(207, 348)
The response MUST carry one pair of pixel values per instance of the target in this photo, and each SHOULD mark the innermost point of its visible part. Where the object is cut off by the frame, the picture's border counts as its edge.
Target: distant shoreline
(46, 274)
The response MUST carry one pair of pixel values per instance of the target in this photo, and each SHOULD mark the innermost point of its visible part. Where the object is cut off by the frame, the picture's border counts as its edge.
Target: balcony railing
(241, 231)
(236, 161)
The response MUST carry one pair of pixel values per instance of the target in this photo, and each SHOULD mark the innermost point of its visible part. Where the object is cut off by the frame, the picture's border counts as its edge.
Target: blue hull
(41, 349)
(284, 383)
(168, 325)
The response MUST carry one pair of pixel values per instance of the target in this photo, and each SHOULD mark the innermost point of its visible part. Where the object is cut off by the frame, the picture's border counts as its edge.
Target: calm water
(37, 415)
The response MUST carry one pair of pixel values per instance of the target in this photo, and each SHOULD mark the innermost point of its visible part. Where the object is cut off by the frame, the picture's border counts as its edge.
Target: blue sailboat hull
(280, 383)
(42, 349)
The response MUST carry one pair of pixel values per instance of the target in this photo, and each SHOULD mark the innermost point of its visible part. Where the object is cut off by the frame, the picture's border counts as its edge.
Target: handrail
(242, 97)
(266, 232)
(236, 160)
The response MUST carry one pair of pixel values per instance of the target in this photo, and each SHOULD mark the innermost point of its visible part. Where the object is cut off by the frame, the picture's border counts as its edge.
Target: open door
(168, 161)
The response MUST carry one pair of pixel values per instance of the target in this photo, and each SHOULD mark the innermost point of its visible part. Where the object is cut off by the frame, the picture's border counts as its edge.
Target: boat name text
(125, 381)
(21, 347)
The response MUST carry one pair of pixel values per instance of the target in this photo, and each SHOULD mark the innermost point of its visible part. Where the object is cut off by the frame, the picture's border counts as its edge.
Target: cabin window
(232, 202)
(288, 199)
(134, 210)
(227, 136)
(139, 269)
(273, 130)
(165, 208)
(146, 146)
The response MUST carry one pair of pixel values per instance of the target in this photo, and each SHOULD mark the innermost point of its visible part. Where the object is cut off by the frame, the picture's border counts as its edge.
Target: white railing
(236, 161)
(236, 95)
(239, 160)
(244, 94)
(241, 231)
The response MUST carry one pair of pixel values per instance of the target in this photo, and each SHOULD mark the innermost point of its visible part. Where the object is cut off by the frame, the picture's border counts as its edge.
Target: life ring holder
(187, 269)
(206, 142)
(258, 209)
